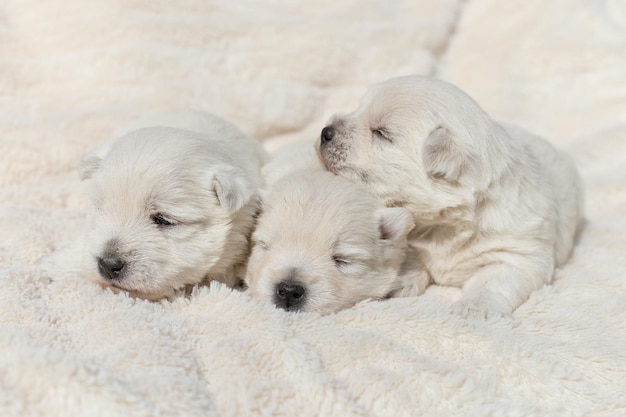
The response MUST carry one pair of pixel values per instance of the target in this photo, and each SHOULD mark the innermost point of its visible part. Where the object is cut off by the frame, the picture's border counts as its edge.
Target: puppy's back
(562, 185)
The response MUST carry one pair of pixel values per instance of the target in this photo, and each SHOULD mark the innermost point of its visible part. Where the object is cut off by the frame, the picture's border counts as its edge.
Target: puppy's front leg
(495, 290)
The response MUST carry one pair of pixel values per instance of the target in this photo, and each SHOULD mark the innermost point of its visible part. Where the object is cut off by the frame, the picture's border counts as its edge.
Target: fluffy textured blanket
(72, 71)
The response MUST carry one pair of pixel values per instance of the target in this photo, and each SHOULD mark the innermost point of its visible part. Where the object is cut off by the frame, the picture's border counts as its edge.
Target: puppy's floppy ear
(91, 161)
(394, 222)
(233, 187)
(443, 157)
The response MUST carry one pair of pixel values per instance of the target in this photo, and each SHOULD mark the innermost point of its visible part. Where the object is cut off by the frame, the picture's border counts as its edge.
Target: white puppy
(323, 244)
(173, 204)
(496, 208)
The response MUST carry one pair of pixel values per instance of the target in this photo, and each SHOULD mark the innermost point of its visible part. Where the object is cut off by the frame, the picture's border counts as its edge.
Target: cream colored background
(72, 71)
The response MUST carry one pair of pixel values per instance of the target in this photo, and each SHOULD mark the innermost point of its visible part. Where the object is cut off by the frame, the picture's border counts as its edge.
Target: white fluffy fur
(191, 169)
(73, 71)
(496, 207)
(327, 235)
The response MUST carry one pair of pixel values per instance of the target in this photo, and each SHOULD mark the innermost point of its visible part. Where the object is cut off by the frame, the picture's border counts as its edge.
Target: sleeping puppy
(323, 244)
(496, 207)
(173, 204)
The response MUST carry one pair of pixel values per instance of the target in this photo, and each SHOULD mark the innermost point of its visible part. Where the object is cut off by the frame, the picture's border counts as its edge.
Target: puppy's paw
(481, 306)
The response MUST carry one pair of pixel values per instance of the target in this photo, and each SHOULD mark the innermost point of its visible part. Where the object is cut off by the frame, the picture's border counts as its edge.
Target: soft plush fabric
(73, 71)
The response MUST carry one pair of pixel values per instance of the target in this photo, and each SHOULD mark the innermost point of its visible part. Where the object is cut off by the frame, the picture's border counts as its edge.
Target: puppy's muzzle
(328, 133)
(111, 267)
(289, 295)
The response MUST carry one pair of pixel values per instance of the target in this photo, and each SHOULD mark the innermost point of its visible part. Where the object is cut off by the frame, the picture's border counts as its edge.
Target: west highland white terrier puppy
(496, 208)
(174, 202)
(323, 243)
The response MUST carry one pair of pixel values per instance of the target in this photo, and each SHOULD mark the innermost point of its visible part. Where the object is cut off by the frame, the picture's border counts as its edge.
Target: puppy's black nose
(328, 133)
(111, 267)
(289, 295)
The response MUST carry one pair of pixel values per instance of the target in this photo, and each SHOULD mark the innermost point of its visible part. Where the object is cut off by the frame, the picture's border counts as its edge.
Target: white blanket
(73, 71)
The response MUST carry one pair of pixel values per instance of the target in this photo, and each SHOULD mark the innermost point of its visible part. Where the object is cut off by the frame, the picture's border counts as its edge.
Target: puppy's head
(163, 209)
(413, 139)
(323, 244)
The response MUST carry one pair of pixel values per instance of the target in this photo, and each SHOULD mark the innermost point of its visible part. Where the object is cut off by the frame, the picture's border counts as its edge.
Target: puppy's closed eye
(341, 261)
(162, 220)
(381, 133)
